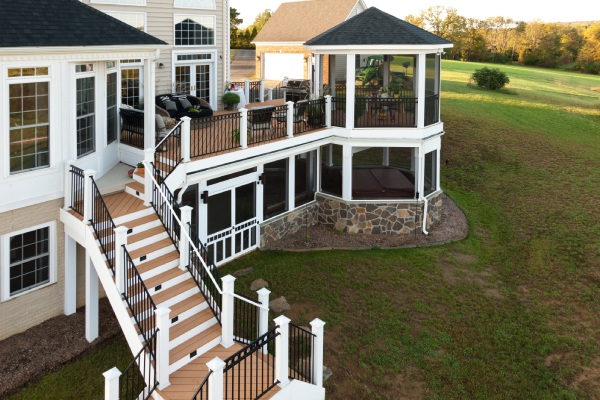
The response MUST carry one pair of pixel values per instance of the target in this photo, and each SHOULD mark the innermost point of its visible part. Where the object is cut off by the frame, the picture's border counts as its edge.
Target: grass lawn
(509, 313)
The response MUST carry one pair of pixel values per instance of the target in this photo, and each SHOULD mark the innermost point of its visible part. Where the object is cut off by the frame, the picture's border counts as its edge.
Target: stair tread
(137, 253)
(157, 262)
(191, 322)
(194, 343)
(173, 291)
(186, 304)
(136, 186)
(157, 230)
(164, 277)
(139, 221)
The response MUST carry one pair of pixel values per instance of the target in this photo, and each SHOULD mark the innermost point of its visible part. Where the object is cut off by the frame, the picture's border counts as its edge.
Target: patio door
(194, 80)
(232, 226)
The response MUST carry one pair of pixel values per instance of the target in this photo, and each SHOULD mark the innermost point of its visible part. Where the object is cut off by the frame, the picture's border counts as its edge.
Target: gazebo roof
(374, 27)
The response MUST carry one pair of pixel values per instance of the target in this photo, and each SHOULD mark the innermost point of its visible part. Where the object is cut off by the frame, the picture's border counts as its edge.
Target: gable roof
(301, 20)
(64, 23)
(375, 27)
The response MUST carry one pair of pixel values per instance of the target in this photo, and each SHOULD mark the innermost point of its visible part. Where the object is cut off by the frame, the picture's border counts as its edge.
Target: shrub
(490, 78)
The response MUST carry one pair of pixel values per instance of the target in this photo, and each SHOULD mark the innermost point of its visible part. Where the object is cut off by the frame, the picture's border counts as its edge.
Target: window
(430, 172)
(275, 188)
(29, 130)
(331, 169)
(28, 260)
(194, 30)
(121, 2)
(205, 4)
(111, 107)
(305, 185)
(130, 87)
(137, 20)
(86, 116)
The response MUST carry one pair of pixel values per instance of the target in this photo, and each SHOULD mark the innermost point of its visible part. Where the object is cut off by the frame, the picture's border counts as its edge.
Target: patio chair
(259, 119)
(299, 113)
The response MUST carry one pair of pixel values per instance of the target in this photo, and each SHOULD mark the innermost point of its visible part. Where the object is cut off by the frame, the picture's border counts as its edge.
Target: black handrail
(201, 276)
(245, 320)
(214, 134)
(169, 150)
(237, 366)
(315, 116)
(77, 190)
(300, 350)
(202, 392)
(161, 202)
(103, 226)
(138, 298)
(139, 379)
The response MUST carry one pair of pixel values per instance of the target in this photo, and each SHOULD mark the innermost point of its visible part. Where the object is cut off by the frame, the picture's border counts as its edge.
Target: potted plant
(394, 88)
(383, 92)
(236, 134)
(140, 168)
(231, 100)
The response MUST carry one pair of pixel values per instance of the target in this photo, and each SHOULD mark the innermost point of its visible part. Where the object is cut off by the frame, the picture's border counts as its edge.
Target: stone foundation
(289, 223)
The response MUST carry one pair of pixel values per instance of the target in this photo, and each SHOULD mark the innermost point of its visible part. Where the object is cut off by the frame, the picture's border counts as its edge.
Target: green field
(512, 312)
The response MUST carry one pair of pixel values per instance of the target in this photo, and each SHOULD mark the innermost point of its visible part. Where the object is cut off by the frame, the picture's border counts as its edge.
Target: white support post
(329, 158)
(420, 79)
(120, 241)
(149, 110)
(163, 323)
(260, 192)
(263, 316)
(247, 91)
(420, 176)
(291, 178)
(244, 128)
(318, 329)
(68, 188)
(350, 89)
(88, 196)
(282, 350)
(438, 170)
(111, 384)
(328, 111)
(91, 300)
(318, 88)
(227, 311)
(261, 94)
(290, 118)
(347, 172)
(184, 245)
(386, 156)
(215, 380)
(148, 158)
(70, 275)
(332, 73)
(185, 139)
(269, 94)
(202, 212)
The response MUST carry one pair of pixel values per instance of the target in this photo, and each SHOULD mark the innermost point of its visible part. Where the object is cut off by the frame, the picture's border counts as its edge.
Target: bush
(490, 78)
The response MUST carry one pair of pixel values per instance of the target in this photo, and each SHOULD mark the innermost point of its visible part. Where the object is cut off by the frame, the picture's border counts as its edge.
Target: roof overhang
(379, 49)
(151, 52)
(278, 43)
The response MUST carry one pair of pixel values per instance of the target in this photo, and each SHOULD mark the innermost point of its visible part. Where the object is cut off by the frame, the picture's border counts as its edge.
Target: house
(280, 47)
(365, 159)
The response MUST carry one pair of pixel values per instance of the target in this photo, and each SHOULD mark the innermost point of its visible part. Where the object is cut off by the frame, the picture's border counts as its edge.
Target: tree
(589, 55)
(261, 19)
(490, 78)
(234, 22)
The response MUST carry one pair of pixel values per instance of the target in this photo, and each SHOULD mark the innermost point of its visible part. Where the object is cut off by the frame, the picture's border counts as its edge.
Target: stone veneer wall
(287, 224)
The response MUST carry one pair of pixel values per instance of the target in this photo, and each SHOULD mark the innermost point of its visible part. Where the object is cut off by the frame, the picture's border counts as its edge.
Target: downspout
(183, 189)
(426, 202)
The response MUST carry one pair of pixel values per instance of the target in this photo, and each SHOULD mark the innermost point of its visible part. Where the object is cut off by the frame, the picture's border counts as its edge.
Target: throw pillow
(161, 129)
(170, 105)
(185, 104)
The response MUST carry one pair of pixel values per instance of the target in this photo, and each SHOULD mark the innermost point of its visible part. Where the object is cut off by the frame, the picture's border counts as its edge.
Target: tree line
(242, 38)
(571, 46)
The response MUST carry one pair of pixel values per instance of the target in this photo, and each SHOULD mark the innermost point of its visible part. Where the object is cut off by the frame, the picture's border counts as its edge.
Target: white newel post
(290, 118)
(163, 323)
(185, 139)
(262, 90)
(317, 356)
(215, 381)
(88, 195)
(148, 158)
(243, 128)
(120, 241)
(328, 111)
(263, 316)
(227, 311)
(282, 342)
(184, 244)
(68, 188)
(347, 172)
(247, 91)
(111, 384)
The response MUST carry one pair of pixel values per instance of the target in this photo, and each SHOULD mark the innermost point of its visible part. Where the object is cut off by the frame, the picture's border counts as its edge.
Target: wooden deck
(120, 204)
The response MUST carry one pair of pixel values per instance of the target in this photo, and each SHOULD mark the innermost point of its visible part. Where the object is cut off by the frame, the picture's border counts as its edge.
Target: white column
(91, 300)
(347, 172)
(290, 119)
(317, 329)
(438, 169)
(227, 311)
(332, 73)
(262, 90)
(386, 156)
(111, 384)
(202, 213)
(244, 128)
(420, 173)
(68, 188)
(184, 244)
(317, 88)
(70, 275)
(185, 139)
(148, 158)
(420, 79)
(215, 381)
(291, 183)
(282, 350)
(163, 323)
(149, 94)
(88, 195)
(263, 316)
(120, 270)
(414, 154)
(328, 111)
(247, 91)
(260, 192)
(329, 156)
(350, 90)
(270, 94)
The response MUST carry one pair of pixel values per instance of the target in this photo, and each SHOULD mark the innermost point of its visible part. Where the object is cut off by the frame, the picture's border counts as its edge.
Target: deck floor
(122, 203)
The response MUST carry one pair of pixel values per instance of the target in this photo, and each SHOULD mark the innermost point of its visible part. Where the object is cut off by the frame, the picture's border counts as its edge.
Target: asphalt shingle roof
(58, 23)
(375, 27)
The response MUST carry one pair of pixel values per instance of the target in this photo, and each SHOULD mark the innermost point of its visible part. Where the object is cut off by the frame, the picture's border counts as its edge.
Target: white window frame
(142, 14)
(182, 46)
(5, 260)
(182, 63)
(134, 3)
(113, 70)
(211, 7)
(82, 75)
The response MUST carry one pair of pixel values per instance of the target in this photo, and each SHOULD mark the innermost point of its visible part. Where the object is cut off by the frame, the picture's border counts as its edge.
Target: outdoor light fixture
(161, 65)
